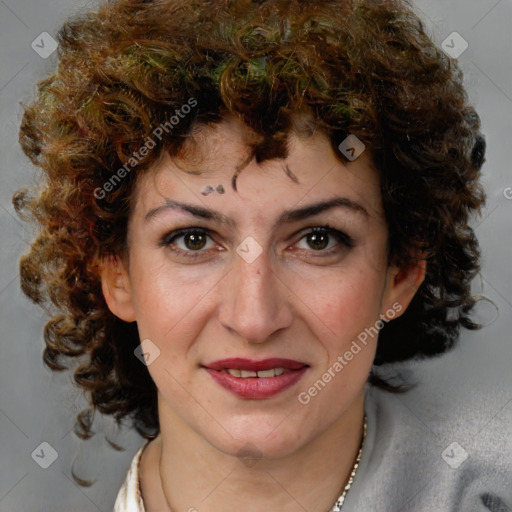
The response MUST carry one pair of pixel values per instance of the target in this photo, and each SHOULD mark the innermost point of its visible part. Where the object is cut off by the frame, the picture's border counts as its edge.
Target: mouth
(256, 380)
(249, 374)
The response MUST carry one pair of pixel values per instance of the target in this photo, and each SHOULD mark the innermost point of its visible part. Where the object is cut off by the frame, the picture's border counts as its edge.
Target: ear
(115, 283)
(402, 284)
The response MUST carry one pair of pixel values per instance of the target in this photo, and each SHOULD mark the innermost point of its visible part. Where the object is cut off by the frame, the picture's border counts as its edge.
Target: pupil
(316, 237)
(197, 241)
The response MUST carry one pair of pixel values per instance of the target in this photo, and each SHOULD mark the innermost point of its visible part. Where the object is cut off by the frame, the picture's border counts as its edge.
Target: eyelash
(343, 238)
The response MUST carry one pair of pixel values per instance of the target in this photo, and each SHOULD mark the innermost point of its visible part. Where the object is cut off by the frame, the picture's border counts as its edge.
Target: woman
(248, 208)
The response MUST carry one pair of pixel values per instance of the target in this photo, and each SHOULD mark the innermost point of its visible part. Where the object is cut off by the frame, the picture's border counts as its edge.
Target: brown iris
(197, 240)
(315, 238)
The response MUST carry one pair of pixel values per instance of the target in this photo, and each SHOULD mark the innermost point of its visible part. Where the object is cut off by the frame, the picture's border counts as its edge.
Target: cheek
(349, 303)
(165, 300)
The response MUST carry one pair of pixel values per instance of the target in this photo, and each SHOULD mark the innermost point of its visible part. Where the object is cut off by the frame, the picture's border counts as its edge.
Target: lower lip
(257, 388)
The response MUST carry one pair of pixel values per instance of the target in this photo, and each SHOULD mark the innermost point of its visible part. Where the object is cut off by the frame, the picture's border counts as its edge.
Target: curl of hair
(361, 67)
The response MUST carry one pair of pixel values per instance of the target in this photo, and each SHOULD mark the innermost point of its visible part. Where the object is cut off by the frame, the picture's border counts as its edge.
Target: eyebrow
(287, 217)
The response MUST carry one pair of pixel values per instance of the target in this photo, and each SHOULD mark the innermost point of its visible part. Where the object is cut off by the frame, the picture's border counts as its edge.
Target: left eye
(319, 237)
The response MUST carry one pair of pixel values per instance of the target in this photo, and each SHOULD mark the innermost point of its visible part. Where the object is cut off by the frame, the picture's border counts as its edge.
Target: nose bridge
(254, 305)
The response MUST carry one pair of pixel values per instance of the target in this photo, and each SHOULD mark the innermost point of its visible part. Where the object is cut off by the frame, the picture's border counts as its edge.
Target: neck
(194, 475)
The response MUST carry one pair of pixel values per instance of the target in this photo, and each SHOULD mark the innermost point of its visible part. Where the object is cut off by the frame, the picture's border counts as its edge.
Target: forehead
(212, 154)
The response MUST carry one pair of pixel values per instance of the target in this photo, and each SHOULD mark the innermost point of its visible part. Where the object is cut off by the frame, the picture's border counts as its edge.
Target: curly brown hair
(361, 67)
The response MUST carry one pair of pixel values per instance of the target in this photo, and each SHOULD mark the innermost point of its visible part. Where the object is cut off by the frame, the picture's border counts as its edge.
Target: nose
(255, 301)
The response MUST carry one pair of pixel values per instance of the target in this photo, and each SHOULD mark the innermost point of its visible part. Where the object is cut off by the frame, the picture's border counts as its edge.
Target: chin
(255, 439)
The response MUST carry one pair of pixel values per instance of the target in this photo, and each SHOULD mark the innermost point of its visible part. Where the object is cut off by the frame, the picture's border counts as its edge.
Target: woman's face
(259, 275)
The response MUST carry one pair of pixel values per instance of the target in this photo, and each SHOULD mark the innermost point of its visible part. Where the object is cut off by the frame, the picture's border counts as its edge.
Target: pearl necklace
(339, 502)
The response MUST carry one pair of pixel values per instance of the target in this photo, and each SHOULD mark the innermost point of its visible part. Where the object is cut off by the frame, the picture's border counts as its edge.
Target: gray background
(464, 397)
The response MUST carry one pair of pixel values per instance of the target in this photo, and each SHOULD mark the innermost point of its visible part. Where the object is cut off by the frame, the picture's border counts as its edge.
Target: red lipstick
(286, 373)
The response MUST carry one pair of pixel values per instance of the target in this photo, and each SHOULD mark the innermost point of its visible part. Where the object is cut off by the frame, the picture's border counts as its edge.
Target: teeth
(246, 374)
(267, 373)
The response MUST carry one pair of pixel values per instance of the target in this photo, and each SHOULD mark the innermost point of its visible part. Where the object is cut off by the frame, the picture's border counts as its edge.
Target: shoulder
(412, 465)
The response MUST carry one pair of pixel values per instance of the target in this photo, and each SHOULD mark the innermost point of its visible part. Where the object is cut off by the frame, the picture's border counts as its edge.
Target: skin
(290, 302)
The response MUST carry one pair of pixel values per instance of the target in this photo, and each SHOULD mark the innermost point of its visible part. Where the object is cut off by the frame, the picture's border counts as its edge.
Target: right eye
(189, 240)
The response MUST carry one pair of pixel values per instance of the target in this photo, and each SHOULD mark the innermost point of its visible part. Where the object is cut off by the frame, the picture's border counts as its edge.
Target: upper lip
(240, 363)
